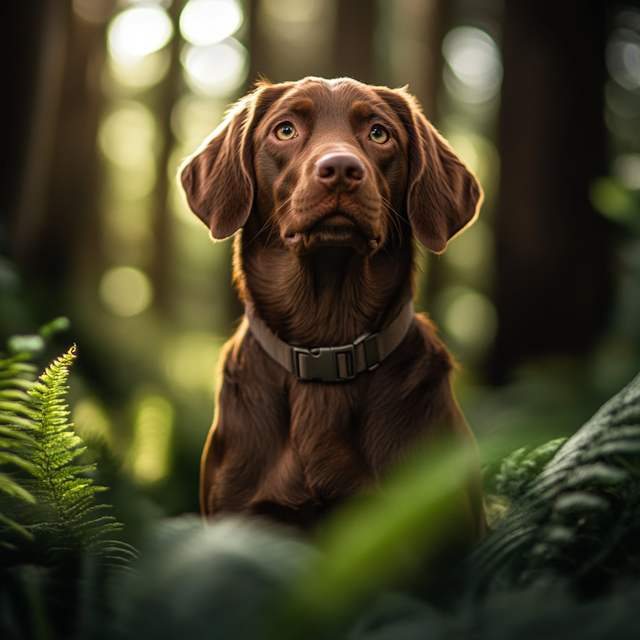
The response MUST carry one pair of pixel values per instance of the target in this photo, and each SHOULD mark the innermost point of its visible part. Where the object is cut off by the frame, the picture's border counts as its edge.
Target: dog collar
(333, 364)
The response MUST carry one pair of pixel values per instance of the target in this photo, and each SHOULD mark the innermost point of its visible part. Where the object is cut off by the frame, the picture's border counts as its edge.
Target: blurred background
(539, 300)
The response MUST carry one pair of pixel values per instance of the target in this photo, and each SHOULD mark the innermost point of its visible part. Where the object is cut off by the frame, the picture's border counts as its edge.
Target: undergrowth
(51, 533)
(565, 532)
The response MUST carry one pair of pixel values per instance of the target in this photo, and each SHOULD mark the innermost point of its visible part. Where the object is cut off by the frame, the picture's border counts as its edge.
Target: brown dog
(329, 180)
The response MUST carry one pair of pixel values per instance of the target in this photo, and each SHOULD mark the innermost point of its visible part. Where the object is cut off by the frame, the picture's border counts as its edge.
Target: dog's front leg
(250, 429)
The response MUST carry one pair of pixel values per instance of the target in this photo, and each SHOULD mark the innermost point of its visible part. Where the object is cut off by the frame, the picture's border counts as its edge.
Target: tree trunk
(56, 208)
(553, 250)
(355, 43)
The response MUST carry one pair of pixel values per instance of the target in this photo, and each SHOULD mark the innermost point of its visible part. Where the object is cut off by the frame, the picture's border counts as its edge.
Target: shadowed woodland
(539, 302)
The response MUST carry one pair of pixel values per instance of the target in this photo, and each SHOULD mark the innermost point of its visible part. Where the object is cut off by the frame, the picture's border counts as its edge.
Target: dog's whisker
(272, 230)
(264, 226)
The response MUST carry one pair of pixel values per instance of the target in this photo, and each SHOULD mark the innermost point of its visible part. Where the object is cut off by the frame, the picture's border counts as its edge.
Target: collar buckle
(325, 364)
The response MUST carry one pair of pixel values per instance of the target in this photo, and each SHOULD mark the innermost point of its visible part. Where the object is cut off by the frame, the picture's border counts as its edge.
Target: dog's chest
(326, 422)
(318, 455)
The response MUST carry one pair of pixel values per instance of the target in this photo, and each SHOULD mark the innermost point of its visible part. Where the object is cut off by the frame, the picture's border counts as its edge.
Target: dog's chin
(332, 231)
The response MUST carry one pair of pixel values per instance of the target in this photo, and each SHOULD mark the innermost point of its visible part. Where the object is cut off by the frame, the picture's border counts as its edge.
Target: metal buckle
(325, 363)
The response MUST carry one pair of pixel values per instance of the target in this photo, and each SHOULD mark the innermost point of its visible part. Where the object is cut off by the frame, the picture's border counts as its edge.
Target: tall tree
(553, 250)
(57, 187)
(355, 42)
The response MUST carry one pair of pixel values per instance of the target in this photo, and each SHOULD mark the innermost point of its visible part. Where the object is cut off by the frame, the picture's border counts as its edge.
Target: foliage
(519, 468)
(579, 519)
(383, 540)
(16, 380)
(57, 558)
(507, 479)
(565, 529)
(219, 581)
(527, 579)
(58, 496)
(65, 488)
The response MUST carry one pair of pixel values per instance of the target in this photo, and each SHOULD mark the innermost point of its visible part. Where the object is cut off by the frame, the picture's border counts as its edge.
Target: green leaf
(16, 527)
(20, 437)
(17, 460)
(12, 488)
(14, 394)
(616, 202)
(373, 541)
(17, 407)
(26, 343)
(19, 422)
(55, 326)
(579, 516)
(65, 487)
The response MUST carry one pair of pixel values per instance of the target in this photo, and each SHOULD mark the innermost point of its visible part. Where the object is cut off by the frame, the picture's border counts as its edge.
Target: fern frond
(64, 490)
(580, 517)
(506, 480)
(16, 379)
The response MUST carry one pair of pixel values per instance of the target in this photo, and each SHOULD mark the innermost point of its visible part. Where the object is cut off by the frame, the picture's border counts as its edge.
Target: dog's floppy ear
(218, 179)
(443, 196)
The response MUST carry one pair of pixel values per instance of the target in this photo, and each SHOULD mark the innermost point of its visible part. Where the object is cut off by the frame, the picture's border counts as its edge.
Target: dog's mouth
(336, 229)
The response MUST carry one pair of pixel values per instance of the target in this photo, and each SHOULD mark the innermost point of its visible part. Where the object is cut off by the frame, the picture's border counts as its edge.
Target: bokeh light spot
(130, 185)
(478, 153)
(613, 201)
(193, 118)
(140, 73)
(217, 69)
(137, 32)
(469, 317)
(294, 11)
(475, 62)
(472, 249)
(149, 453)
(205, 22)
(91, 422)
(626, 169)
(190, 362)
(127, 136)
(464, 146)
(623, 58)
(125, 291)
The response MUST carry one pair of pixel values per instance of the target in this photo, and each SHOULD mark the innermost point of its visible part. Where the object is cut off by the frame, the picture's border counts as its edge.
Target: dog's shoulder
(244, 362)
(421, 357)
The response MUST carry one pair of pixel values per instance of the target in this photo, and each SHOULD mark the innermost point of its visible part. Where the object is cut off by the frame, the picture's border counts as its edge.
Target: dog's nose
(340, 171)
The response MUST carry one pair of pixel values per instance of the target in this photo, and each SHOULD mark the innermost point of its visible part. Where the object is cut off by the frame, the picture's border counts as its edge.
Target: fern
(58, 562)
(580, 517)
(53, 502)
(506, 480)
(16, 379)
(64, 489)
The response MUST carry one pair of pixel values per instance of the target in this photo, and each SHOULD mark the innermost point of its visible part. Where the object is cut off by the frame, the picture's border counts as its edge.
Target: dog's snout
(340, 171)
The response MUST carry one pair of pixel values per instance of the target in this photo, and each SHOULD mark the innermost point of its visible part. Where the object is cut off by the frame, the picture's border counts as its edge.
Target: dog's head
(330, 162)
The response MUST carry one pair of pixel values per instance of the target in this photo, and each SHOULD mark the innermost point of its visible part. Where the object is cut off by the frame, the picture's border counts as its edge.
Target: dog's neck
(327, 297)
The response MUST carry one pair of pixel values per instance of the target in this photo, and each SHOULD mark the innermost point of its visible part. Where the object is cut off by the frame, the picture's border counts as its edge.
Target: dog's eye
(378, 135)
(286, 131)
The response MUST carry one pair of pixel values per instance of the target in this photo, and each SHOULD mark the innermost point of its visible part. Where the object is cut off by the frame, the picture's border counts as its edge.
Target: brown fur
(289, 448)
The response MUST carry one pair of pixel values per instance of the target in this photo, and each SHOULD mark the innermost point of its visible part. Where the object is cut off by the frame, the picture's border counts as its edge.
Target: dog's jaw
(312, 220)
(336, 229)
